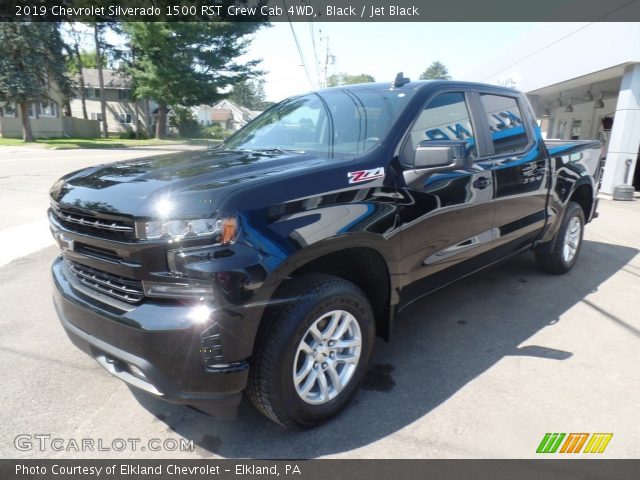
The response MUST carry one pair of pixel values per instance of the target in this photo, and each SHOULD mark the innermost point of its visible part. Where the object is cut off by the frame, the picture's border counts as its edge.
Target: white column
(625, 136)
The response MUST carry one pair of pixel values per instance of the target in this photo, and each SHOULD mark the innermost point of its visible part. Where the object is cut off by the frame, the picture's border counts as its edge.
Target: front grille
(92, 225)
(121, 288)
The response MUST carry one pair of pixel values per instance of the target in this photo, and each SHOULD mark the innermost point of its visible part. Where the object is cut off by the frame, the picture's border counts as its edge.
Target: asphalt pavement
(480, 369)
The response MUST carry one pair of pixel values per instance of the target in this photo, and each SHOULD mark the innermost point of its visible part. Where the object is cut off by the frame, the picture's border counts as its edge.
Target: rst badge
(365, 175)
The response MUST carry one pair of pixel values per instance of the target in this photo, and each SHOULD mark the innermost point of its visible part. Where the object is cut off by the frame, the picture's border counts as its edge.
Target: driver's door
(447, 216)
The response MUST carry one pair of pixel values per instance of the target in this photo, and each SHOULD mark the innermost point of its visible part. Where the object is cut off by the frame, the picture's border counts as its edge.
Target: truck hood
(193, 182)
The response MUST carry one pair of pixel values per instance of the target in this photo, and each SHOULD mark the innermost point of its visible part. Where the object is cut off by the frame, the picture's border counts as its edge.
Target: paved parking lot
(483, 368)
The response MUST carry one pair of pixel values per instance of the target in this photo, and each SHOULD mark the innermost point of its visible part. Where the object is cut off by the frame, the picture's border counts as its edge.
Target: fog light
(136, 371)
(177, 290)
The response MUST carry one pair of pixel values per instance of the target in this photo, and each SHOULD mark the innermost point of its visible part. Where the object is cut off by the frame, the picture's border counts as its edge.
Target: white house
(226, 113)
(122, 111)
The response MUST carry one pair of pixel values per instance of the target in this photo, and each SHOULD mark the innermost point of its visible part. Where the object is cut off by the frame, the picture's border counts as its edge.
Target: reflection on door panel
(450, 217)
(520, 175)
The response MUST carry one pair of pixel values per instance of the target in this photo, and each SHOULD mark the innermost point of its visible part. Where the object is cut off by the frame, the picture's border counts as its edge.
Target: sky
(378, 49)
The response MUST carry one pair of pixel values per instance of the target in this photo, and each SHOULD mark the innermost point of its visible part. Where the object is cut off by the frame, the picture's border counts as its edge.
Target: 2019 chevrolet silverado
(269, 264)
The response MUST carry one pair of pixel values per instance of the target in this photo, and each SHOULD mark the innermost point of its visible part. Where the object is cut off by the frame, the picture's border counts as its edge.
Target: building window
(96, 116)
(8, 110)
(576, 129)
(92, 92)
(48, 108)
(124, 95)
(125, 118)
(44, 108)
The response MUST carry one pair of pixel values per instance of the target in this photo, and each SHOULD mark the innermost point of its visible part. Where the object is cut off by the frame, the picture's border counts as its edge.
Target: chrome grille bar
(124, 289)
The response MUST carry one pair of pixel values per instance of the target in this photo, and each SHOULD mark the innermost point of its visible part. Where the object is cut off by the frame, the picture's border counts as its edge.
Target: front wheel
(566, 244)
(311, 354)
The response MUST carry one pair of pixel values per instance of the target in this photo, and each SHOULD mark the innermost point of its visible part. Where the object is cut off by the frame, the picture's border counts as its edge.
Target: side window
(508, 132)
(445, 117)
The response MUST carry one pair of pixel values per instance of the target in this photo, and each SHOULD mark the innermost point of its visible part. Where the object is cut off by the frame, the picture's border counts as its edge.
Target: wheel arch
(357, 262)
(583, 195)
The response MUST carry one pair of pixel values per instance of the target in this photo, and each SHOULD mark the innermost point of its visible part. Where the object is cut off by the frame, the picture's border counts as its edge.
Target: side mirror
(441, 155)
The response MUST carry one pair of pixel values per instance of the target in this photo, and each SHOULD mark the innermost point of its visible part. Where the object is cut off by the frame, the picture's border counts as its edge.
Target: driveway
(480, 369)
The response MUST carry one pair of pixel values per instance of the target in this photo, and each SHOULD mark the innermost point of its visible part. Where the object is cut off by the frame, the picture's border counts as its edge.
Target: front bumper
(156, 347)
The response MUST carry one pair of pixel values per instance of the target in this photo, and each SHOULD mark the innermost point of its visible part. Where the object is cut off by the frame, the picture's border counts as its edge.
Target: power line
(295, 38)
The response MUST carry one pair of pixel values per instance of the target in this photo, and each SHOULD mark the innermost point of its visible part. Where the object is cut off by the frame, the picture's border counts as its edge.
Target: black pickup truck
(269, 264)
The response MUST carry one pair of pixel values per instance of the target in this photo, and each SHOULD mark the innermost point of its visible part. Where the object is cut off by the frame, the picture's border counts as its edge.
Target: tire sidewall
(307, 312)
(573, 211)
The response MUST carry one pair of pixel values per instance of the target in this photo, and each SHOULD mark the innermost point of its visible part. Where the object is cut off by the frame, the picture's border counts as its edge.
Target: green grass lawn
(68, 143)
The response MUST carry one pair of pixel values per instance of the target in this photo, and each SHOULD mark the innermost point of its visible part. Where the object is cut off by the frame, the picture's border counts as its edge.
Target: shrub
(216, 131)
(184, 122)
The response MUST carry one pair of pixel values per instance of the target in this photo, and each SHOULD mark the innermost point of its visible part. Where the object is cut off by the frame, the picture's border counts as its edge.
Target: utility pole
(329, 59)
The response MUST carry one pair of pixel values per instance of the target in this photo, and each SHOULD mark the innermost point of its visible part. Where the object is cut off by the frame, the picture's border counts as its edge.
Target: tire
(279, 353)
(565, 245)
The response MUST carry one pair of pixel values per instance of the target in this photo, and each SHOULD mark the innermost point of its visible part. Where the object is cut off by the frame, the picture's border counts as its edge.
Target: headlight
(225, 229)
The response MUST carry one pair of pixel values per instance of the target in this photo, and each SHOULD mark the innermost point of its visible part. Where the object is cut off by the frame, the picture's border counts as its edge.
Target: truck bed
(588, 151)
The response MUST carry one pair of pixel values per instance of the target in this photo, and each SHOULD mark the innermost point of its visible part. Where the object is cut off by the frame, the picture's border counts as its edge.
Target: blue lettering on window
(460, 132)
(513, 118)
(436, 134)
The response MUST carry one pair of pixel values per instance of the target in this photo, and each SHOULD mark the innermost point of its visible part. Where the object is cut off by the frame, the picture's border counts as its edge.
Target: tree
(185, 122)
(436, 71)
(346, 79)
(187, 64)
(75, 65)
(249, 94)
(86, 58)
(32, 58)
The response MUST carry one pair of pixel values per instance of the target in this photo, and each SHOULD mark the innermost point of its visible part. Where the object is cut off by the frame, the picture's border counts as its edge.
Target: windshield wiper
(278, 150)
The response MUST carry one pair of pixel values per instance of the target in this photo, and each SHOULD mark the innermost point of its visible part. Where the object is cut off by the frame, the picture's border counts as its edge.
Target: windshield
(330, 123)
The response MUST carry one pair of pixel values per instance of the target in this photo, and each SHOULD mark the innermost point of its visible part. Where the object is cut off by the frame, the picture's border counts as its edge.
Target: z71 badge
(365, 175)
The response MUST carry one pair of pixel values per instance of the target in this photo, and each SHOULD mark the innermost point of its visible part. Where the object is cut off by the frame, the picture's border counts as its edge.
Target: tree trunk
(83, 93)
(136, 109)
(103, 103)
(27, 133)
(161, 123)
(147, 113)
(136, 118)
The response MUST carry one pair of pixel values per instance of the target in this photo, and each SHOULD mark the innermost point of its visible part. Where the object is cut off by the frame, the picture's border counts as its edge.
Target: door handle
(482, 183)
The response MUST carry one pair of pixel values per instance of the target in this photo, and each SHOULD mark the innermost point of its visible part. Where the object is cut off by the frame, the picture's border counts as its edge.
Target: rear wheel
(311, 354)
(566, 244)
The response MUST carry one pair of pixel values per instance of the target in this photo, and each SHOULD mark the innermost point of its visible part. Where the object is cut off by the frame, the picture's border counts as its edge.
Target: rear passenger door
(520, 169)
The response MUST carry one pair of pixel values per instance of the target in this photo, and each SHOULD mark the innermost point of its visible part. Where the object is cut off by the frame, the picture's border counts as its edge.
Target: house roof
(221, 114)
(112, 78)
(232, 112)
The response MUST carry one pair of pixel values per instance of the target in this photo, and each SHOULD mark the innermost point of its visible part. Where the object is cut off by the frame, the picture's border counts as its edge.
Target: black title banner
(320, 469)
(320, 11)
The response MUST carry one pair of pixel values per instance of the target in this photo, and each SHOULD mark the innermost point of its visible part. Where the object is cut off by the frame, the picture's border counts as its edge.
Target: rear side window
(508, 132)
(445, 117)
